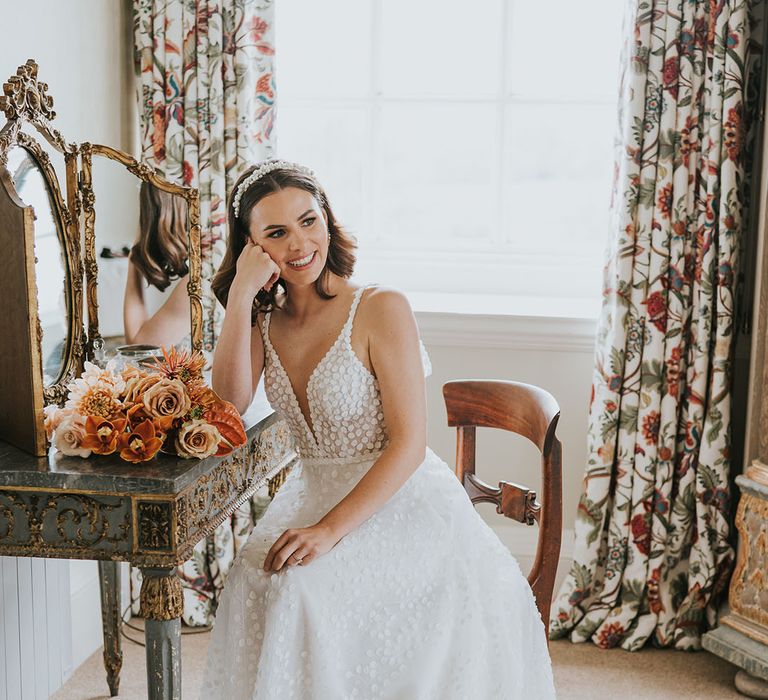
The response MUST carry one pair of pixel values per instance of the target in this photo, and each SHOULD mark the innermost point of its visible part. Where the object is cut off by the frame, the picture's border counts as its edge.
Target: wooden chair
(533, 413)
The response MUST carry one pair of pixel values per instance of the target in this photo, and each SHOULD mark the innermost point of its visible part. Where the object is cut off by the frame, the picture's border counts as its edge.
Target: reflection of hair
(341, 247)
(161, 252)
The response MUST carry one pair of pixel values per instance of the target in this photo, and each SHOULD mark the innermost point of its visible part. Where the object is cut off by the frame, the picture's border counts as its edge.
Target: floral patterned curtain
(206, 106)
(652, 551)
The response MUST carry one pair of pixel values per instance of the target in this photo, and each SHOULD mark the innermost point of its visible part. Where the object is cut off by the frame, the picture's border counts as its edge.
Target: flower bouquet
(138, 412)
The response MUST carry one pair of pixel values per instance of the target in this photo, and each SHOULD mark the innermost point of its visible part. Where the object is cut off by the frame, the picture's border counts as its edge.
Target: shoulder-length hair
(341, 248)
(161, 252)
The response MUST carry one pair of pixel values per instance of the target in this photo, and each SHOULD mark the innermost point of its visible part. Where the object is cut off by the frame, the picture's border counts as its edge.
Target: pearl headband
(260, 172)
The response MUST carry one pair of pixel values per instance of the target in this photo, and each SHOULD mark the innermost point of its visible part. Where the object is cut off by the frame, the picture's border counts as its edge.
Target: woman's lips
(306, 265)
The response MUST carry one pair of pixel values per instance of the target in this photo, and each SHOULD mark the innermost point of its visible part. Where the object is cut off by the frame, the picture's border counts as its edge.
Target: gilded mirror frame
(145, 173)
(25, 101)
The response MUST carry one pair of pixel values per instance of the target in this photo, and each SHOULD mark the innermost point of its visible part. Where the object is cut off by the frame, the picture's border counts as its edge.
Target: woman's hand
(299, 546)
(255, 270)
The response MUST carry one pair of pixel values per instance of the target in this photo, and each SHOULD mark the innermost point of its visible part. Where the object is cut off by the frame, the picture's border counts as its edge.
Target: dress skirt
(420, 602)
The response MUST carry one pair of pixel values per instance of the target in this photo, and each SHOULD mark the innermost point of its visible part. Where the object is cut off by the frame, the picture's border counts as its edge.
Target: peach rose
(136, 383)
(68, 436)
(166, 398)
(197, 438)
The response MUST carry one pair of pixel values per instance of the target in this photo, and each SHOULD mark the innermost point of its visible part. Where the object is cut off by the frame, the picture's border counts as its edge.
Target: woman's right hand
(255, 270)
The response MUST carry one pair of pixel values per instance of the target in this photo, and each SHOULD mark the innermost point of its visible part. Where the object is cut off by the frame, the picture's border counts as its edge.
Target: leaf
(226, 418)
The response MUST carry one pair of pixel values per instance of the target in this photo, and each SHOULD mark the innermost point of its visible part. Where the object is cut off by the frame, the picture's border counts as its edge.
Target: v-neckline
(307, 420)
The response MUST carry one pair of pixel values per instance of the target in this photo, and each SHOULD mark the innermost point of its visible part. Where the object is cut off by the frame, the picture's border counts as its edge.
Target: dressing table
(150, 514)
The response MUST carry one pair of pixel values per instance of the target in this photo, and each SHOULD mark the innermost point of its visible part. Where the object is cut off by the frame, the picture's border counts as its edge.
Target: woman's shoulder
(385, 306)
(385, 299)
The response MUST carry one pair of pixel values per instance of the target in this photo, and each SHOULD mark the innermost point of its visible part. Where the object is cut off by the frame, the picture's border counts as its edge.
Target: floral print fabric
(206, 108)
(652, 551)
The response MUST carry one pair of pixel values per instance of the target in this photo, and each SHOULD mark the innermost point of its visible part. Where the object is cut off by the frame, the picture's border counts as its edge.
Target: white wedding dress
(420, 602)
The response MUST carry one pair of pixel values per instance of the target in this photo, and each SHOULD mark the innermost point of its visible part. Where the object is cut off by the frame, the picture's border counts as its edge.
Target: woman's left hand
(299, 546)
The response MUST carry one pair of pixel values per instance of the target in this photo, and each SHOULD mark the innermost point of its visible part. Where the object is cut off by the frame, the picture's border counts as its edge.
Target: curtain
(206, 108)
(652, 550)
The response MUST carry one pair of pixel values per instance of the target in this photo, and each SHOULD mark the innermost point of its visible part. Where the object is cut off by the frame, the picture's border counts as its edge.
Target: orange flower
(137, 414)
(141, 444)
(102, 436)
(180, 364)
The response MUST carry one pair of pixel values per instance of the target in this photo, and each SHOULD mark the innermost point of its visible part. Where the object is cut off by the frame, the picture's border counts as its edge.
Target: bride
(370, 574)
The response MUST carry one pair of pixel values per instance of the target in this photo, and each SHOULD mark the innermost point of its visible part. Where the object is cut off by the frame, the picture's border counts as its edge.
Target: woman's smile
(303, 263)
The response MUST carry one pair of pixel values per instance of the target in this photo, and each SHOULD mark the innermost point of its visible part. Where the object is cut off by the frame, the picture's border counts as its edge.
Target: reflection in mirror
(142, 236)
(50, 265)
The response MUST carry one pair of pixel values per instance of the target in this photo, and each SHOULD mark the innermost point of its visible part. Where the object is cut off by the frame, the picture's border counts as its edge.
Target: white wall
(83, 49)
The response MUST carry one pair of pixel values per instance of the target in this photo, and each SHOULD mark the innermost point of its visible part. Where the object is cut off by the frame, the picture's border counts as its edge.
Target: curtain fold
(206, 106)
(652, 550)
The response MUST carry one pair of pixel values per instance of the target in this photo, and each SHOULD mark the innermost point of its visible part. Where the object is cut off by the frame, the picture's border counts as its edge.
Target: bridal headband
(261, 171)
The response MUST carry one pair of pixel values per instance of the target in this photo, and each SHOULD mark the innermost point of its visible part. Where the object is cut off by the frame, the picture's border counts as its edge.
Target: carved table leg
(162, 603)
(109, 583)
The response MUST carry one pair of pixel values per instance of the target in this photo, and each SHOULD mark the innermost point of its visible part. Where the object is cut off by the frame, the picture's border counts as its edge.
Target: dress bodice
(344, 400)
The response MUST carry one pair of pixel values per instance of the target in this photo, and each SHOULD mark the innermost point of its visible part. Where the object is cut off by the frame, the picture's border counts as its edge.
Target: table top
(162, 474)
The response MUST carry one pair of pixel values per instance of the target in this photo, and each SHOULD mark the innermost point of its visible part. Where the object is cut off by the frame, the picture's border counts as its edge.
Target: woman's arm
(134, 310)
(239, 353)
(396, 358)
(168, 325)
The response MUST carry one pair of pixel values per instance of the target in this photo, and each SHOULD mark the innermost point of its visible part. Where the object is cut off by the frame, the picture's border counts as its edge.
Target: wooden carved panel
(748, 595)
(233, 481)
(56, 524)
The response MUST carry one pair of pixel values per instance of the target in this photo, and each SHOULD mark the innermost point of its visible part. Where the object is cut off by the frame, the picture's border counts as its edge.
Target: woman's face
(292, 228)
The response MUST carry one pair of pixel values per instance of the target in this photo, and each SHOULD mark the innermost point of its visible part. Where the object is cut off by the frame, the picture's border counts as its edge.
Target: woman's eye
(275, 234)
(309, 221)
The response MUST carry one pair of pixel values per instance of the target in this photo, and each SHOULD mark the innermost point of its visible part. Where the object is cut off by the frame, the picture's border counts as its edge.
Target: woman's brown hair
(161, 252)
(341, 246)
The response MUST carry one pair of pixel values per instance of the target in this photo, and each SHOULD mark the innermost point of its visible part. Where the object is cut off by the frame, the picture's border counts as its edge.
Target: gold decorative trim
(69, 237)
(748, 593)
(161, 597)
(26, 100)
(757, 471)
(146, 173)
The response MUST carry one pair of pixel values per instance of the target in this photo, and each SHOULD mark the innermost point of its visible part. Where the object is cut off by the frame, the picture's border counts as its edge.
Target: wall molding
(543, 334)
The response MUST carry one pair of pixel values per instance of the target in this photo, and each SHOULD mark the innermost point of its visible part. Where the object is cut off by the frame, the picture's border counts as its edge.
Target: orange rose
(102, 436)
(140, 444)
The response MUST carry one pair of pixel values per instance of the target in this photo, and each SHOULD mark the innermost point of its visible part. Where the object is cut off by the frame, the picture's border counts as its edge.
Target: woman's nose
(295, 240)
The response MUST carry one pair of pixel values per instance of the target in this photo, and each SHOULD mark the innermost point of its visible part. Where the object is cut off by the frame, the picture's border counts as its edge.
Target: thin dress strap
(346, 332)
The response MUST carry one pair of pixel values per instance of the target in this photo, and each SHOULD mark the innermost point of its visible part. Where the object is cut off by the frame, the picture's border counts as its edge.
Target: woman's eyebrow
(298, 218)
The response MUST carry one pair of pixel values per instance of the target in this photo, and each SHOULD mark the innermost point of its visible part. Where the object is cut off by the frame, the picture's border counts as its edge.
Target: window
(469, 146)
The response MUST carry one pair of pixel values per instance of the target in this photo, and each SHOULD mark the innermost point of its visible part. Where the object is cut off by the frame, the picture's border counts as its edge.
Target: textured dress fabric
(420, 602)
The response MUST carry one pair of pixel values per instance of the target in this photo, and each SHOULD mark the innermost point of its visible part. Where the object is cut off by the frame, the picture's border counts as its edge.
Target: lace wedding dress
(420, 602)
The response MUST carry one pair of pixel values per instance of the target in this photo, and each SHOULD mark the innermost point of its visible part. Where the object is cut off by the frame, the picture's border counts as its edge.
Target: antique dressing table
(149, 514)
(60, 203)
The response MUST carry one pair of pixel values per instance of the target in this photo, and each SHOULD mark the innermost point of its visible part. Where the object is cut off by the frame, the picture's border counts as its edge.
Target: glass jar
(135, 355)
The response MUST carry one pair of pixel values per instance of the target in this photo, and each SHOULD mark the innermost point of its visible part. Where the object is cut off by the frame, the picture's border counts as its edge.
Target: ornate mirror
(42, 277)
(142, 255)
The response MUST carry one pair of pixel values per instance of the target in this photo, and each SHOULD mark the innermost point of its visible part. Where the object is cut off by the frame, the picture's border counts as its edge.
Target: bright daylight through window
(469, 146)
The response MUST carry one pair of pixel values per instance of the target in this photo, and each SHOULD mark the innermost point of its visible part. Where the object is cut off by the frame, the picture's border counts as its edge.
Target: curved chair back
(529, 411)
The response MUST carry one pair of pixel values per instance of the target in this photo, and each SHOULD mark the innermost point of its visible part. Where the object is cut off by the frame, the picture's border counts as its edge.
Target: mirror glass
(50, 266)
(142, 244)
